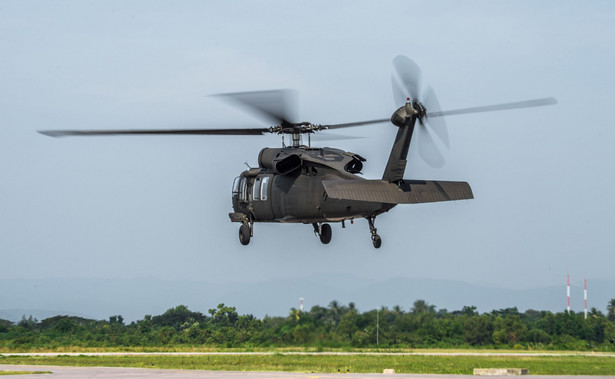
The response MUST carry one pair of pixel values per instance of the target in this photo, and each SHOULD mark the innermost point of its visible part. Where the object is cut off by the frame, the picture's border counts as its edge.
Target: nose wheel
(376, 240)
(324, 232)
(245, 232)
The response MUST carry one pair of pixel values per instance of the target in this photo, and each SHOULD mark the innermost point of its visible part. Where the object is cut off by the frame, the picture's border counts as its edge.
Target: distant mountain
(134, 298)
(15, 315)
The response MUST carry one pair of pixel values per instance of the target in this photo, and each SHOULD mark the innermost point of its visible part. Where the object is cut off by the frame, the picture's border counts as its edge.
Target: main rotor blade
(230, 132)
(277, 106)
(498, 107)
(332, 137)
(358, 123)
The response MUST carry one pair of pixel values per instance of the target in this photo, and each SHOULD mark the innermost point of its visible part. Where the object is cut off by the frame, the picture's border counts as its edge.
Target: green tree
(610, 314)
(336, 310)
(4, 325)
(348, 325)
(478, 330)
(29, 323)
(223, 315)
(509, 330)
(116, 320)
(422, 307)
(469, 310)
(176, 317)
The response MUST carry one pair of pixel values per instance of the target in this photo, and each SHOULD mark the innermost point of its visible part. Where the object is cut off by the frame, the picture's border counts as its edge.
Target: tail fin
(396, 166)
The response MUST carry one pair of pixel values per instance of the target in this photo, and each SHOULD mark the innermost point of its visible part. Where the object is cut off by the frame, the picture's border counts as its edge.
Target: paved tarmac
(58, 372)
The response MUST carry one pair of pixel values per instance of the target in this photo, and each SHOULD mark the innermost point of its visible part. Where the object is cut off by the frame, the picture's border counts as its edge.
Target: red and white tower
(585, 295)
(568, 291)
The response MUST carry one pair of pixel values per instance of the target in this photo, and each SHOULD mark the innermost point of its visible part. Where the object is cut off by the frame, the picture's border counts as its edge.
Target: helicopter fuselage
(288, 187)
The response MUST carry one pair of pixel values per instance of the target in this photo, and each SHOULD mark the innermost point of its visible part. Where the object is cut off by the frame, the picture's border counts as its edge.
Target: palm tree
(421, 306)
(611, 310)
(352, 307)
(336, 310)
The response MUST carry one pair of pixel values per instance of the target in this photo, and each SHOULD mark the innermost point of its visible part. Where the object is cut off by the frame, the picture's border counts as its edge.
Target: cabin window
(256, 189)
(264, 188)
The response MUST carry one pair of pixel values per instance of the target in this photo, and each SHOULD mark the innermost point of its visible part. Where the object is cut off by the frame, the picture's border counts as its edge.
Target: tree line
(334, 326)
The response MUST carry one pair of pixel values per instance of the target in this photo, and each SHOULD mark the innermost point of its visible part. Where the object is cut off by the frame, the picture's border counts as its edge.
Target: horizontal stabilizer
(406, 192)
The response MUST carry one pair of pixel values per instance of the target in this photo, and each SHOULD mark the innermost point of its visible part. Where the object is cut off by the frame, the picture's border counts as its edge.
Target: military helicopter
(320, 185)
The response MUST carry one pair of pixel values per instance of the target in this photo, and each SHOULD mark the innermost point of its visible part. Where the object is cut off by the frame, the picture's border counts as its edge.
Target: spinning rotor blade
(406, 80)
(277, 106)
(498, 107)
(358, 123)
(428, 149)
(231, 132)
(332, 137)
(438, 125)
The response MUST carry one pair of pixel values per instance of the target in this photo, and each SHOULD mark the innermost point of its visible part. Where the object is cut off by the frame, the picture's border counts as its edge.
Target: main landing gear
(376, 240)
(324, 231)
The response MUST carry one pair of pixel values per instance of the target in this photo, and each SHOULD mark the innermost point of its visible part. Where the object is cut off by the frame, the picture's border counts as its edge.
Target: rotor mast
(296, 130)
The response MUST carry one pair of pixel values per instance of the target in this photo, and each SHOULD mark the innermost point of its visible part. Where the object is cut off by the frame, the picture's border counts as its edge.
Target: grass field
(23, 372)
(319, 363)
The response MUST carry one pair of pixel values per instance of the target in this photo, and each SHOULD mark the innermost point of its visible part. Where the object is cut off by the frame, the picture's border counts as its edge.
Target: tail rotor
(407, 85)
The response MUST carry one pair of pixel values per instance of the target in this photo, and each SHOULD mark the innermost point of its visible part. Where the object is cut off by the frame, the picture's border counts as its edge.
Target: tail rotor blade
(406, 79)
(406, 82)
(437, 124)
(399, 93)
(428, 149)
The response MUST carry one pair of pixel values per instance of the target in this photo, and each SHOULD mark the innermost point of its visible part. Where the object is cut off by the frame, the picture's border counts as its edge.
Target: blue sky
(157, 206)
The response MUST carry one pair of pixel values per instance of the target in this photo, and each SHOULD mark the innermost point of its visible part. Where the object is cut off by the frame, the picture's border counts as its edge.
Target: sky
(157, 206)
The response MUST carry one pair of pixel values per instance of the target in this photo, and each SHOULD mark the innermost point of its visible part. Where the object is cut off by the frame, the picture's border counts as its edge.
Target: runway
(66, 372)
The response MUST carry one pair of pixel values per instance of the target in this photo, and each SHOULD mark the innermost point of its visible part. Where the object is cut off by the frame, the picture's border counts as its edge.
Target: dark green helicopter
(309, 185)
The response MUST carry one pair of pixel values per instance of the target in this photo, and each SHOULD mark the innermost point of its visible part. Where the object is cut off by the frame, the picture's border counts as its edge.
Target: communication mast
(568, 291)
(585, 295)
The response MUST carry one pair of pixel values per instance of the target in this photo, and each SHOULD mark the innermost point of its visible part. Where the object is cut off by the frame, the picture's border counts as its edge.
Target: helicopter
(321, 185)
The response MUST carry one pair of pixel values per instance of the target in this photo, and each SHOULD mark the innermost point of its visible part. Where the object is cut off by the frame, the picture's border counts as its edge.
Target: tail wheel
(325, 233)
(244, 234)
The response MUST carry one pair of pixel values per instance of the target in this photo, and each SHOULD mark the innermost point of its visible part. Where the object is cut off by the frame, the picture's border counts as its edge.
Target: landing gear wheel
(377, 241)
(244, 234)
(325, 233)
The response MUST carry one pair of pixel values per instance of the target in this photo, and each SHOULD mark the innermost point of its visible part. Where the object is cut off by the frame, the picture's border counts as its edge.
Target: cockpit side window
(256, 189)
(243, 189)
(264, 188)
(236, 185)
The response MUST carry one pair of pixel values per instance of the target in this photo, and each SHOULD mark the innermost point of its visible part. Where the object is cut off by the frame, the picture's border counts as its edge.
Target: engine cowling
(279, 160)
